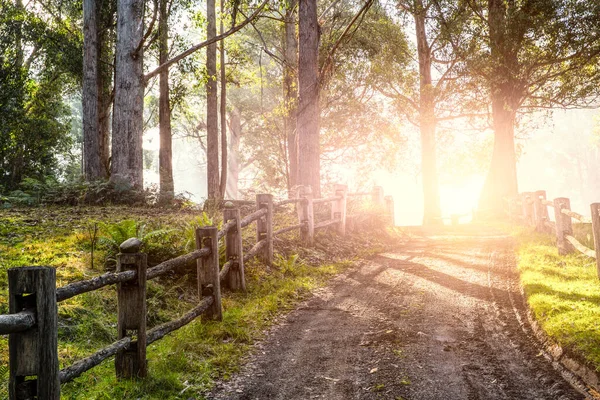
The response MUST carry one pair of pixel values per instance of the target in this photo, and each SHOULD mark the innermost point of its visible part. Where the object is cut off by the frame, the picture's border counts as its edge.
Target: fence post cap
(229, 204)
(131, 245)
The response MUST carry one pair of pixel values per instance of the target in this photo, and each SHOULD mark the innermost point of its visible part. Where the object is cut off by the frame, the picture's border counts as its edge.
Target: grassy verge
(563, 293)
(185, 363)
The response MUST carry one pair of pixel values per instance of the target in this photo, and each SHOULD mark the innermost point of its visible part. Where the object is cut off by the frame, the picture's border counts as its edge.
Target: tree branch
(201, 45)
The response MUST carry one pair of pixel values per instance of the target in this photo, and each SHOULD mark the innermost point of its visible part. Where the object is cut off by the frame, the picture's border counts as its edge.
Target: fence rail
(532, 209)
(33, 296)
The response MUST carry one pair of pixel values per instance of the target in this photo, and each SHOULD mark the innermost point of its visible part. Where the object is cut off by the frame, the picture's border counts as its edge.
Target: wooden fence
(532, 209)
(32, 320)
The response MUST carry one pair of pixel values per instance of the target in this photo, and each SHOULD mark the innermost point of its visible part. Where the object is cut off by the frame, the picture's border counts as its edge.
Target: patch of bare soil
(437, 318)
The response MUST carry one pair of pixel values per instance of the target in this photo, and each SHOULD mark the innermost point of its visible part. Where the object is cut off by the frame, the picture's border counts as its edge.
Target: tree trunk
(308, 97)
(234, 153)
(92, 167)
(223, 113)
(127, 156)
(212, 109)
(165, 153)
(427, 123)
(106, 40)
(290, 92)
(505, 93)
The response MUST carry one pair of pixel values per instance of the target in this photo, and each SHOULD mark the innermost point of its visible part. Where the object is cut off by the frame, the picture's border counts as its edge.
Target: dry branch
(13, 323)
(582, 249)
(180, 261)
(288, 229)
(254, 250)
(248, 219)
(287, 201)
(225, 269)
(76, 288)
(577, 216)
(78, 368)
(162, 330)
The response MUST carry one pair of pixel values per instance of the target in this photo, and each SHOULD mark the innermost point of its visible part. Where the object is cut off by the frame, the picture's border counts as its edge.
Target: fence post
(209, 282)
(338, 208)
(34, 352)
(236, 279)
(377, 196)
(264, 227)
(306, 215)
(540, 211)
(389, 206)
(131, 301)
(528, 208)
(595, 207)
(563, 225)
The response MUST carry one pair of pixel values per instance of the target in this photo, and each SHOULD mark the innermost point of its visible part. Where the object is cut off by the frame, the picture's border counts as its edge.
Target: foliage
(39, 63)
(186, 362)
(563, 293)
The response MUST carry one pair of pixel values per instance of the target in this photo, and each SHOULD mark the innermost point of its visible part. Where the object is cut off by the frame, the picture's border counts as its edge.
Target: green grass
(563, 293)
(185, 363)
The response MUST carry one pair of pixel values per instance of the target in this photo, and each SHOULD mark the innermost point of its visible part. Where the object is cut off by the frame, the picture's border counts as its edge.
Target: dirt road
(437, 318)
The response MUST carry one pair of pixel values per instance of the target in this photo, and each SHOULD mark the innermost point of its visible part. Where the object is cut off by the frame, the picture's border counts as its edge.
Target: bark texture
(212, 107)
(308, 97)
(165, 154)
(506, 92)
(290, 91)
(127, 160)
(92, 168)
(427, 123)
(235, 134)
(223, 112)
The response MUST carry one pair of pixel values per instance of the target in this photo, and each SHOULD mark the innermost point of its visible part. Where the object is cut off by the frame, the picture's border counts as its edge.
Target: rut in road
(434, 319)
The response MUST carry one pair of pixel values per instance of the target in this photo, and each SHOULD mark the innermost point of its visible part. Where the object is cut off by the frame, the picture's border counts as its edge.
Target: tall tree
(427, 120)
(290, 90)
(127, 155)
(537, 54)
(307, 126)
(223, 109)
(92, 165)
(212, 107)
(165, 156)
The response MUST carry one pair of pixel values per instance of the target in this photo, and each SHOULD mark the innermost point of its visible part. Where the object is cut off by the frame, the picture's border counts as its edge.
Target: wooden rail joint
(563, 225)
(131, 299)
(235, 278)
(34, 351)
(264, 227)
(306, 215)
(209, 281)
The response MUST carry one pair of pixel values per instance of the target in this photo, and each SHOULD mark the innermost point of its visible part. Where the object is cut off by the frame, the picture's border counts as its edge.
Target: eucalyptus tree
(429, 88)
(532, 55)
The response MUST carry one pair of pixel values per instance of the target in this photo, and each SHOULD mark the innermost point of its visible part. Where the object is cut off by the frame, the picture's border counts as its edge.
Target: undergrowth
(563, 292)
(185, 363)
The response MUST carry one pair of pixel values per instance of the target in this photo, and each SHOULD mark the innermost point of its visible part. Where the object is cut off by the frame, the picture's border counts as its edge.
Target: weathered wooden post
(563, 225)
(264, 227)
(306, 215)
(528, 208)
(540, 211)
(338, 208)
(389, 206)
(34, 352)
(236, 279)
(377, 196)
(209, 282)
(595, 207)
(131, 301)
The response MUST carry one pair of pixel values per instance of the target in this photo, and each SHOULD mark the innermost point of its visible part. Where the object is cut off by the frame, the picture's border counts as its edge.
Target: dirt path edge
(573, 368)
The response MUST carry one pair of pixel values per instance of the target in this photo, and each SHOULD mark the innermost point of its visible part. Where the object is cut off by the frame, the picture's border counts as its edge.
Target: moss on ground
(185, 363)
(563, 292)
